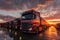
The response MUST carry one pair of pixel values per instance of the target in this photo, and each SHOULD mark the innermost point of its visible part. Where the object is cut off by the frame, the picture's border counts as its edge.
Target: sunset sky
(49, 9)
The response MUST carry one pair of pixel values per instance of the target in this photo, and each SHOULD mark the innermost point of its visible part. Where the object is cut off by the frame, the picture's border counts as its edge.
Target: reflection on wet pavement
(4, 36)
(50, 34)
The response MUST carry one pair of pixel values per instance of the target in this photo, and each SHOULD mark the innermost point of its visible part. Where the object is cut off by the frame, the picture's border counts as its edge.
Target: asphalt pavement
(50, 34)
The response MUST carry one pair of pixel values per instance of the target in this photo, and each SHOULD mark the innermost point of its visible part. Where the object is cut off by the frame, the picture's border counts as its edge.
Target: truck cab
(31, 22)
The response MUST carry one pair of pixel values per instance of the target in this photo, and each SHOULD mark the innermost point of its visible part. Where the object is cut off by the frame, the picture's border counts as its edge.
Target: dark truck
(31, 22)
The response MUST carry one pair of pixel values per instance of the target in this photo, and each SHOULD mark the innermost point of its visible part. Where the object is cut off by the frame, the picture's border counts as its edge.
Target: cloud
(28, 4)
(20, 4)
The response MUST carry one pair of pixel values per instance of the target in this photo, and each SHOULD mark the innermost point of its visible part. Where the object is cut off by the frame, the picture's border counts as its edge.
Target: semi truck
(32, 22)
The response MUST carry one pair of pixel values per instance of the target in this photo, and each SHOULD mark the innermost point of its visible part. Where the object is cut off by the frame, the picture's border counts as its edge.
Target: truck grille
(25, 25)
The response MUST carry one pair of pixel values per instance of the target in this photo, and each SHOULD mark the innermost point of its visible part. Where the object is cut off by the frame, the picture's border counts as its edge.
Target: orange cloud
(53, 21)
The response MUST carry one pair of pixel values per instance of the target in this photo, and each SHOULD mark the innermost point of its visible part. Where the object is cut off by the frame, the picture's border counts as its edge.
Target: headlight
(30, 29)
(23, 17)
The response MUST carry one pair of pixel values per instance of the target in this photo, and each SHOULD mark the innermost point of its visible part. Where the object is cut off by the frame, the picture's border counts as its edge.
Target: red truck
(31, 22)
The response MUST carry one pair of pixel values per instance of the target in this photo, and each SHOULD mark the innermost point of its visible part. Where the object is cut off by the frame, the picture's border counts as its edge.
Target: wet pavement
(4, 35)
(50, 34)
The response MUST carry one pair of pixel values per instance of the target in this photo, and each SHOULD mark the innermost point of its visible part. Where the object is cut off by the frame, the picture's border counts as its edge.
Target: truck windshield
(28, 16)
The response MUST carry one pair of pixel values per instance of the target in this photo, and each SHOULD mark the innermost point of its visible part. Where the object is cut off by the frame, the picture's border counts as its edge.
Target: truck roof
(30, 11)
